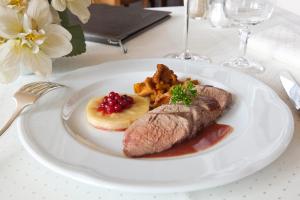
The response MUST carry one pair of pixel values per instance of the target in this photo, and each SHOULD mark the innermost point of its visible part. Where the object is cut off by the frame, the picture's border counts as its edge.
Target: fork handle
(17, 112)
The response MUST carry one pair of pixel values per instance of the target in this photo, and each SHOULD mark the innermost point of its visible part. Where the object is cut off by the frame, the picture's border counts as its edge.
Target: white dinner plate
(55, 131)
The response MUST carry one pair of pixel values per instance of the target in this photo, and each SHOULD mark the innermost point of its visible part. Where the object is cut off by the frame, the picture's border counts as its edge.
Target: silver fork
(27, 95)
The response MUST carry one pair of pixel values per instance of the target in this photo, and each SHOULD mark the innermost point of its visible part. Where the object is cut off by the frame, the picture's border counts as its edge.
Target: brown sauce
(207, 138)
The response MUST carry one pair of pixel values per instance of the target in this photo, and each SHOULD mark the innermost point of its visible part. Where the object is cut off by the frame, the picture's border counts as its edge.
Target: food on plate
(183, 112)
(183, 93)
(115, 111)
(158, 87)
(170, 124)
(115, 103)
(208, 137)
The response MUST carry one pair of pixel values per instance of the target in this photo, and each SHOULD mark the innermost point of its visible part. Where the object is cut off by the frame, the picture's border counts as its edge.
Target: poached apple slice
(116, 121)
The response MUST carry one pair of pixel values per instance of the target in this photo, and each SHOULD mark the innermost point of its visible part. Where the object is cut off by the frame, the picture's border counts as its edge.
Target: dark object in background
(115, 25)
(164, 3)
(151, 3)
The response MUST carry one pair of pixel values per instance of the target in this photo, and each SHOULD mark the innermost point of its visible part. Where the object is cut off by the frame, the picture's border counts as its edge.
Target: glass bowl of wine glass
(246, 13)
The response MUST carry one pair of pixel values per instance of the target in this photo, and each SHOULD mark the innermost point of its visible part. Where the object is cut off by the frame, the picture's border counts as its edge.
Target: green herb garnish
(183, 93)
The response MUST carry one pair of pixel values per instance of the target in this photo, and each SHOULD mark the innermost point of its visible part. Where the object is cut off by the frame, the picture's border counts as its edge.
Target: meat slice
(155, 133)
(223, 97)
(161, 128)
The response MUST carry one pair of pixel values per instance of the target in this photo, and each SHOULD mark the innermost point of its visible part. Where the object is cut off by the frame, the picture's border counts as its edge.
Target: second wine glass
(247, 13)
(186, 54)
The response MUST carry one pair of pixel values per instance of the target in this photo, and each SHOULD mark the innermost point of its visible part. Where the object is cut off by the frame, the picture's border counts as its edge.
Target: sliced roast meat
(155, 133)
(222, 96)
(161, 128)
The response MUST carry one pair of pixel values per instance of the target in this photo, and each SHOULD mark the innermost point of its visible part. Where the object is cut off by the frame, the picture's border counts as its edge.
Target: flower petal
(79, 8)
(57, 43)
(9, 75)
(27, 24)
(55, 16)
(39, 11)
(4, 2)
(10, 23)
(10, 61)
(55, 28)
(87, 3)
(59, 5)
(38, 63)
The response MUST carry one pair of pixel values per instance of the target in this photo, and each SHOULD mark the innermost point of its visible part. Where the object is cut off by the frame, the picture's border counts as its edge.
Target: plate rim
(66, 170)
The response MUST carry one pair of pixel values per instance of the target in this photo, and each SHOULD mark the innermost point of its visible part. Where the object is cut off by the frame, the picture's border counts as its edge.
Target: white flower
(30, 40)
(10, 61)
(15, 4)
(21, 5)
(77, 7)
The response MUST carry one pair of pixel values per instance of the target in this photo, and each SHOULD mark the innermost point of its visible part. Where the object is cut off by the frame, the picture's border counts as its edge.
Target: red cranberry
(105, 99)
(112, 94)
(123, 103)
(109, 99)
(117, 108)
(109, 109)
(128, 105)
(117, 96)
(112, 102)
(119, 100)
(129, 100)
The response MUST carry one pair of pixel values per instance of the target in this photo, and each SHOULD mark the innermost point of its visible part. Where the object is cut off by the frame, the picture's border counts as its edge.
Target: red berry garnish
(129, 100)
(123, 103)
(111, 94)
(114, 103)
(117, 96)
(109, 110)
(105, 99)
(109, 99)
(118, 108)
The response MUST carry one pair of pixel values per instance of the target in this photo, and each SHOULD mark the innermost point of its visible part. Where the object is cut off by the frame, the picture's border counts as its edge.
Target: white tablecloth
(21, 177)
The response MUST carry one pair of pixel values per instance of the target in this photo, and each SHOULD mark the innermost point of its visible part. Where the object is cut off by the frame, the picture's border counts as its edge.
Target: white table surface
(21, 177)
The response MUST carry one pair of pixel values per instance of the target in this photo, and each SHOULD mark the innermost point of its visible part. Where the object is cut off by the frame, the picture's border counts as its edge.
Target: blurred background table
(21, 177)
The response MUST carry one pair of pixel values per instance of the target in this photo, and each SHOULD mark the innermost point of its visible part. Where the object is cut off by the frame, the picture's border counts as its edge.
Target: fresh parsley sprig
(183, 93)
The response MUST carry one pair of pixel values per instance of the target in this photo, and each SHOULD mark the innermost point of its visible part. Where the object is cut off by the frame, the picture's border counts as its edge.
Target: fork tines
(38, 88)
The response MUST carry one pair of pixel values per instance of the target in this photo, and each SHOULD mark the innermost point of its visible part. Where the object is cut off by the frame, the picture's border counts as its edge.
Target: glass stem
(187, 54)
(244, 36)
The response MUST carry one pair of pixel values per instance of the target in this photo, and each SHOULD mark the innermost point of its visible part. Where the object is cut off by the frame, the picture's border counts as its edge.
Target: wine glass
(186, 54)
(247, 13)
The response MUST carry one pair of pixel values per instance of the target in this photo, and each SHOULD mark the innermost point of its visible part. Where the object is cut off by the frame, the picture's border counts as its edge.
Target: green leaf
(64, 17)
(183, 93)
(78, 41)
